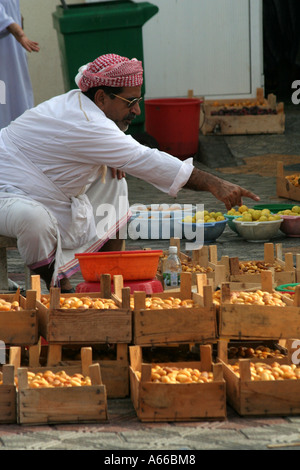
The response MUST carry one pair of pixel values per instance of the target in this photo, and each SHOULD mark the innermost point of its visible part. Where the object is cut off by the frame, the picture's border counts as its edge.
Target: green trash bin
(87, 30)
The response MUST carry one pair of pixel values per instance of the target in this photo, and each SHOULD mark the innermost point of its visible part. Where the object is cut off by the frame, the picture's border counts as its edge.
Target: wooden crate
(265, 397)
(242, 124)
(175, 325)
(85, 326)
(89, 327)
(271, 256)
(163, 402)
(86, 404)
(258, 321)
(202, 261)
(20, 327)
(114, 370)
(8, 408)
(285, 188)
(224, 345)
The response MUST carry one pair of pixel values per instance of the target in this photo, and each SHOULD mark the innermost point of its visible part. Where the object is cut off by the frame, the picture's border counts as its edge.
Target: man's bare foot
(113, 245)
(65, 285)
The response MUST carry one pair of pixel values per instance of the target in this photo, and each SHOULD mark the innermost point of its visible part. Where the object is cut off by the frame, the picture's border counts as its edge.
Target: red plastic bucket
(174, 123)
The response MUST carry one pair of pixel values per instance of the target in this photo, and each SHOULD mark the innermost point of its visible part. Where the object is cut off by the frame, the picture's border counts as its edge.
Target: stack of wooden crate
(263, 323)
(162, 327)
(92, 326)
(199, 316)
(19, 327)
(69, 327)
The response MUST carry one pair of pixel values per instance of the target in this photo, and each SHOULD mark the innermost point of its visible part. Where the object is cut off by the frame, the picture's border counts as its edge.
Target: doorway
(281, 49)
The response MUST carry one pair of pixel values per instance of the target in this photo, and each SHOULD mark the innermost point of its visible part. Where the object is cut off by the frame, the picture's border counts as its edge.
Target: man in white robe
(56, 169)
(16, 93)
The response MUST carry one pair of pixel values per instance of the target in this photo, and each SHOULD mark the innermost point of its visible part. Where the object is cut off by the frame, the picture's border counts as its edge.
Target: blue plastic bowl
(211, 230)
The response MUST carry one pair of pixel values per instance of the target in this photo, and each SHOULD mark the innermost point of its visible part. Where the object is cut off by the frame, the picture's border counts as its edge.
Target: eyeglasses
(131, 103)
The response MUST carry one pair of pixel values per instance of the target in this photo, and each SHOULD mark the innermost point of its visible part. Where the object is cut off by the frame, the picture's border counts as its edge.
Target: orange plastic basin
(132, 265)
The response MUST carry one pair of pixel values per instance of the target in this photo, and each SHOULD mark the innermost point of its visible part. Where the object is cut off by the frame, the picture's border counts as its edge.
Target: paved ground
(123, 431)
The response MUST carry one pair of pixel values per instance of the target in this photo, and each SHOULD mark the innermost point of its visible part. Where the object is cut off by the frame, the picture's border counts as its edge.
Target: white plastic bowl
(257, 231)
(155, 224)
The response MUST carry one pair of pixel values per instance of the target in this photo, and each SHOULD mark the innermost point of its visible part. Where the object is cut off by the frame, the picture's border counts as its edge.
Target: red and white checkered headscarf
(110, 70)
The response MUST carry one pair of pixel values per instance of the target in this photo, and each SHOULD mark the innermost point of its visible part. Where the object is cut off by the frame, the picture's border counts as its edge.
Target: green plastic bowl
(230, 222)
(285, 287)
(274, 208)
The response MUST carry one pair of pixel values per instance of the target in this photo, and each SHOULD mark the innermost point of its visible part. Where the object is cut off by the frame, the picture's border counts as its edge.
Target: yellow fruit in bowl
(231, 212)
(296, 209)
(188, 219)
(265, 212)
(209, 217)
(263, 218)
(199, 216)
(292, 212)
(256, 214)
(247, 217)
(243, 208)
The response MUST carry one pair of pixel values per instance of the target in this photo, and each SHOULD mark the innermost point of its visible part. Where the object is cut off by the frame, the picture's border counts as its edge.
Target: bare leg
(113, 245)
(65, 284)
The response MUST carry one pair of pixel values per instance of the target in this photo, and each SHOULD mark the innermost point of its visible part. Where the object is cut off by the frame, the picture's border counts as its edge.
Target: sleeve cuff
(4, 24)
(182, 177)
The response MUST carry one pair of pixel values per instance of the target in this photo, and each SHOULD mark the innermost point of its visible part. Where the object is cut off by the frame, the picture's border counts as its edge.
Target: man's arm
(229, 193)
(21, 37)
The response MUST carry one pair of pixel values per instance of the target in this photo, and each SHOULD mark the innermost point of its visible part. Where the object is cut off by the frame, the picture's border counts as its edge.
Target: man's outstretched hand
(232, 194)
(229, 193)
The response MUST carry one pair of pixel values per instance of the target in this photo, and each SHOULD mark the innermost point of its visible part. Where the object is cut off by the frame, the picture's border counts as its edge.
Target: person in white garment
(63, 162)
(16, 89)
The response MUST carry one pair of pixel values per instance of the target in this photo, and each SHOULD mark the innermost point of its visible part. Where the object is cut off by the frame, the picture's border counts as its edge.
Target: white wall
(213, 47)
(203, 45)
(44, 66)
